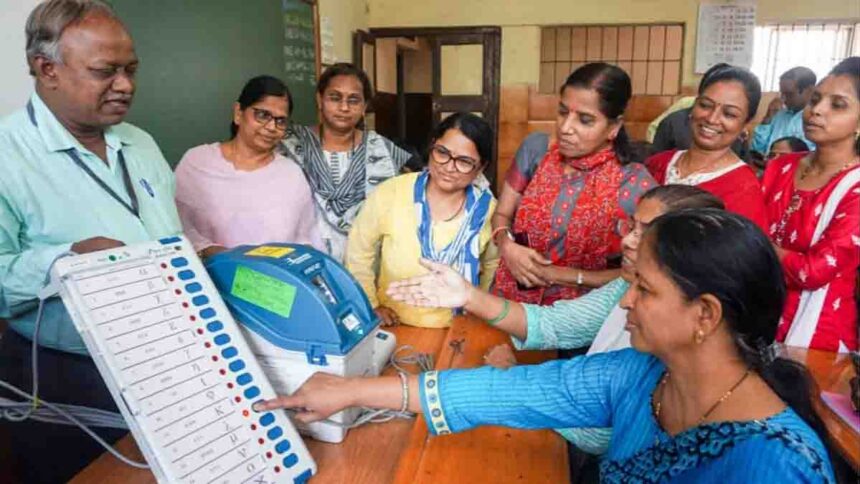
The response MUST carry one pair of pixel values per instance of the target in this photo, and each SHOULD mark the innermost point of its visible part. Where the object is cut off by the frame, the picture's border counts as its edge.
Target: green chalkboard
(195, 56)
(299, 49)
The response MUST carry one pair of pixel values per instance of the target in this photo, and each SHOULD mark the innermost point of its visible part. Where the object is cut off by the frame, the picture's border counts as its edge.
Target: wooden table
(831, 373)
(485, 454)
(402, 451)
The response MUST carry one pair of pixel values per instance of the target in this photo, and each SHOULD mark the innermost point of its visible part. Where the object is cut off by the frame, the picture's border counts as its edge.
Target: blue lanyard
(72, 153)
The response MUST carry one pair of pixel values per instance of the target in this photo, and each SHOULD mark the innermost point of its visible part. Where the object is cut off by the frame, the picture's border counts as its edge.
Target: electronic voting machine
(178, 367)
(302, 313)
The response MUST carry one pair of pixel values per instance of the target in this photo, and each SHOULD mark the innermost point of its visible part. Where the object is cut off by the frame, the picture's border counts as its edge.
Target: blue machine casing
(330, 313)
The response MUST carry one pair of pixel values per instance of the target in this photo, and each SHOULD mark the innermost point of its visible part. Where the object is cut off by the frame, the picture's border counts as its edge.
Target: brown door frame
(359, 38)
(487, 104)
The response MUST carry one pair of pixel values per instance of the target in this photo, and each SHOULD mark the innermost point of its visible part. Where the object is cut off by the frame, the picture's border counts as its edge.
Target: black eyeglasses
(263, 117)
(462, 164)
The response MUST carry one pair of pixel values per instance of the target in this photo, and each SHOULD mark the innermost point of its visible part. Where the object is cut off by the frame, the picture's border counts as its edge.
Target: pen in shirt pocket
(146, 186)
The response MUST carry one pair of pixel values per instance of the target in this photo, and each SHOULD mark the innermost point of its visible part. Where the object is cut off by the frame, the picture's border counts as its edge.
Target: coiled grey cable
(32, 406)
(74, 420)
(424, 362)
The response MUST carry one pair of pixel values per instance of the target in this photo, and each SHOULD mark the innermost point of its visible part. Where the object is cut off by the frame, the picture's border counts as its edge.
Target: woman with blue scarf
(441, 214)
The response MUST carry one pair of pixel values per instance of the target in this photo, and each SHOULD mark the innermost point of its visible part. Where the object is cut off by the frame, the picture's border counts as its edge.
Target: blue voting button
(291, 460)
(282, 446)
(252, 393)
(193, 287)
(275, 433)
(267, 419)
(200, 300)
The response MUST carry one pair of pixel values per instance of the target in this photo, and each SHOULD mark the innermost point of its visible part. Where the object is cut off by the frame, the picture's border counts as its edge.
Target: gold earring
(699, 337)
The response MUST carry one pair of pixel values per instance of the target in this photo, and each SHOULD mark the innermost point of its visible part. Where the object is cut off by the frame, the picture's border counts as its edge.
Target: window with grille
(819, 46)
(650, 54)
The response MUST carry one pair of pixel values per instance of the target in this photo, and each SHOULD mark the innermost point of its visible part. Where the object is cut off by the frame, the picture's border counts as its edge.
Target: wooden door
(466, 72)
(466, 68)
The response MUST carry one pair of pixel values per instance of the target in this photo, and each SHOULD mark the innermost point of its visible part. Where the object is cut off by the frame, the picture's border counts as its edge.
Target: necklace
(704, 168)
(658, 405)
(459, 209)
(797, 201)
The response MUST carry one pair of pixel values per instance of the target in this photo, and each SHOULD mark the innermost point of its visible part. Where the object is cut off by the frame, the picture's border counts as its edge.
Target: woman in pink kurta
(813, 205)
(241, 191)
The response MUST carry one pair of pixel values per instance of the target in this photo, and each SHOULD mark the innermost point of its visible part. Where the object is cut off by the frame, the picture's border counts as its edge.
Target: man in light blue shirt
(785, 114)
(65, 158)
(75, 178)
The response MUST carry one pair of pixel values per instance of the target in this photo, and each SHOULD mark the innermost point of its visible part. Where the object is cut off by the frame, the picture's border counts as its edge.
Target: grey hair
(50, 18)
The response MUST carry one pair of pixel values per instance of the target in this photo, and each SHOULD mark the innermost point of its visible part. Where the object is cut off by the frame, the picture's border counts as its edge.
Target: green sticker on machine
(265, 291)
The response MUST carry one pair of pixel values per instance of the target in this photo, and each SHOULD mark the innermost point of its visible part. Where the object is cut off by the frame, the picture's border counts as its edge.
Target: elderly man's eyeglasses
(462, 164)
(264, 117)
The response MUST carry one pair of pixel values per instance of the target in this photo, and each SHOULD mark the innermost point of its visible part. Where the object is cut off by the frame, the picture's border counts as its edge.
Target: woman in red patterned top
(813, 203)
(563, 200)
(728, 100)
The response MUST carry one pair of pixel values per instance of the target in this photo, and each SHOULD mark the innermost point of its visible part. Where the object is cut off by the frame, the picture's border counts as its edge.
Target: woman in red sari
(557, 217)
(727, 102)
(814, 213)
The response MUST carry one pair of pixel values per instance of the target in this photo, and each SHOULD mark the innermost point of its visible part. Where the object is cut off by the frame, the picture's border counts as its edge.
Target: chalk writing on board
(299, 45)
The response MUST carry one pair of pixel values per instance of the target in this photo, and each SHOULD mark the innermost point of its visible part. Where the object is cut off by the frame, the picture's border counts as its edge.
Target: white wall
(15, 84)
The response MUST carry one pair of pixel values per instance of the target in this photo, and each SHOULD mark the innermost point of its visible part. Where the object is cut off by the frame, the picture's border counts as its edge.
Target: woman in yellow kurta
(442, 214)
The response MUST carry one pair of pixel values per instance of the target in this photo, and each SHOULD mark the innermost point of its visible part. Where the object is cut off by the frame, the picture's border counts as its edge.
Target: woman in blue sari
(705, 398)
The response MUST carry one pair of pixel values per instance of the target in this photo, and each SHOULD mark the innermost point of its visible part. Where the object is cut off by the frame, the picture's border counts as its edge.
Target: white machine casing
(316, 318)
(288, 370)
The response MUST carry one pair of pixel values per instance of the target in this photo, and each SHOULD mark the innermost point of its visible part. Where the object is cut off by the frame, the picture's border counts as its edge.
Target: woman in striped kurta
(342, 162)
